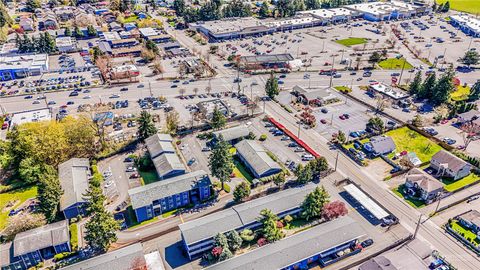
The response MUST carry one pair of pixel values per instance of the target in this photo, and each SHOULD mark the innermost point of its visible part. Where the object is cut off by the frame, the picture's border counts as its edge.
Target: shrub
(263, 137)
(74, 236)
(62, 256)
(288, 218)
(262, 242)
(226, 187)
(247, 235)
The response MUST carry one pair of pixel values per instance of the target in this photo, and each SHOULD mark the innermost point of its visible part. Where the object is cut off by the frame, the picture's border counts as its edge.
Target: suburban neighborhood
(227, 134)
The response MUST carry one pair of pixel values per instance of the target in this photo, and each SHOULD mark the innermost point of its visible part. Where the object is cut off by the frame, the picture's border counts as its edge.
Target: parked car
(299, 149)
(367, 243)
(131, 169)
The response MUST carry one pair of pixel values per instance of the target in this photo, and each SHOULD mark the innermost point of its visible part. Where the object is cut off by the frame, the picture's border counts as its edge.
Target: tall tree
(270, 229)
(31, 5)
(241, 191)
(416, 84)
(376, 123)
(101, 231)
(220, 161)
(92, 32)
(264, 12)
(313, 204)
(146, 126)
(271, 86)
(49, 193)
(333, 210)
(218, 119)
(428, 86)
(443, 88)
(279, 179)
(474, 94)
(172, 121)
(470, 58)
(305, 175)
(179, 7)
(67, 32)
(312, 4)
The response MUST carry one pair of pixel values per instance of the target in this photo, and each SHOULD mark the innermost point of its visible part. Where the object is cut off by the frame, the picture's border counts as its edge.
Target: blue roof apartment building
(197, 235)
(74, 175)
(317, 245)
(33, 246)
(165, 195)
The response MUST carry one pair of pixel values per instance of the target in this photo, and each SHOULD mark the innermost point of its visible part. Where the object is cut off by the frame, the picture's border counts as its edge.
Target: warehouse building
(21, 66)
(256, 159)
(334, 15)
(165, 195)
(321, 244)
(197, 235)
(468, 24)
(74, 176)
(384, 11)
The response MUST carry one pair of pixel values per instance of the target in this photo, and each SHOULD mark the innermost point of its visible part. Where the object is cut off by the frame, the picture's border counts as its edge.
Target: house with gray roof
(7, 260)
(158, 144)
(423, 186)
(168, 165)
(74, 175)
(127, 258)
(165, 195)
(42, 243)
(197, 235)
(318, 245)
(382, 145)
(256, 159)
(231, 135)
(449, 165)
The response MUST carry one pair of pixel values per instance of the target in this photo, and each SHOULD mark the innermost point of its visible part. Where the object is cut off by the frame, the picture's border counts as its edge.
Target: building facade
(449, 165)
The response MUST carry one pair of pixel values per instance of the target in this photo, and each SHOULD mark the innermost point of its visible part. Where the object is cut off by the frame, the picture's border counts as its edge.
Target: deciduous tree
(333, 210)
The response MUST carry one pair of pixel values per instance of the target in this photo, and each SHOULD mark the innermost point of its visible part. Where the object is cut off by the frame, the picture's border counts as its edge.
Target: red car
(444, 121)
(342, 117)
(134, 175)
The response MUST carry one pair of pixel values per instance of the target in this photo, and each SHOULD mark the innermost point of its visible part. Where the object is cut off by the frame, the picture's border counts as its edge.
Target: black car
(73, 94)
(367, 243)
(124, 89)
(128, 159)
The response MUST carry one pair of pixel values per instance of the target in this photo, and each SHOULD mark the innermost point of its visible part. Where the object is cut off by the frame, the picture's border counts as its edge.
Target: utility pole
(439, 197)
(417, 227)
(150, 88)
(401, 72)
(331, 71)
(336, 160)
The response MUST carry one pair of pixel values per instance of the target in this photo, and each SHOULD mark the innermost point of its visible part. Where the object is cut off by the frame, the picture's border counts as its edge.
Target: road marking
(181, 219)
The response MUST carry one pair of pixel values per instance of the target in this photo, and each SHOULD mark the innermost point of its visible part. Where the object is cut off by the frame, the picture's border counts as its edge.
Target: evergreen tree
(49, 193)
(31, 5)
(234, 240)
(264, 12)
(218, 119)
(428, 86)
(241, 191)
(312, 4)
(220, 240)
(270, 229)
(416, 84)
(150, 45)
(279, 179)
(220, 161)
(271, 86)
(305, 175)
(91, 31)
(225, 255)
(470, 58)
(146, 126)
(474, 94)
(443, 88)
(67, 32)
(313, 204)
(446, 7)
(179, 7)
(78, 33)
(101, 231)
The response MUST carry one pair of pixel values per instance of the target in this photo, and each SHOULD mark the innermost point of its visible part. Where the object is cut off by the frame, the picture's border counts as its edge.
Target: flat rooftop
(31, 116)
(271, 58)
(467, 20)
(230, 25)
(329, 13)
(297, 247)
(376, 8)
(24, 61)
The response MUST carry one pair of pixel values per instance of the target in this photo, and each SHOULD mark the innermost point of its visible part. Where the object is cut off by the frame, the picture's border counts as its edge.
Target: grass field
(454, 185)
(467, 234)
(351, 41)
(470, 6)
(148, 177)
(412, 202)
(240, 171)
(17, 196)
(461, 93)
(408, 140)
(394, 63)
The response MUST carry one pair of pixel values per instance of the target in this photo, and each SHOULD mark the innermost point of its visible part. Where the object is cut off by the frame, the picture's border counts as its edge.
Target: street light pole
(401, 72)
(331, 71)
(417, 227)
(336, 160)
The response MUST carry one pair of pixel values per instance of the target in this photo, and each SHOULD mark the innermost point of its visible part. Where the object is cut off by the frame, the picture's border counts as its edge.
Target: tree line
(44, 43)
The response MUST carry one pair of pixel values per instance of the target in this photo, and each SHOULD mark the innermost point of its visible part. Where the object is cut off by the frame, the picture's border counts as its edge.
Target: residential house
(314, 96)
(421, 185)
(320, 245)
(129, 26)
(42, 243)
(47, 20)
(381, 145)
(449, 165)
(115, 27)
(64, 13)
(165, 195)
(231, 135)
(74, 176)
(7, 260)
(26, 23)
(471, 220)
(256, 159)
(197, 235)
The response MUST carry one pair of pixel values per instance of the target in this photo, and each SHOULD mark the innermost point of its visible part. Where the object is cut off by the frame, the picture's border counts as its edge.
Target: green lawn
(131, 219)
(350, 145)
(408, 140)
(169, 213)
(470, 6)
(345, 89)
(412, 202)
(148, 177)
(74, 236)
(17, 196)
(456, 226)
(241, 171)
(351, 41)
(454, 185)
(394, 63)
(461, 93)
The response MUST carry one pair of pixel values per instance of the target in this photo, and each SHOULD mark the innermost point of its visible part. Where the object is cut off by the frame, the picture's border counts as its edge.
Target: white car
(87, 97)
(108, 184)
(307, 157)
(131, 169)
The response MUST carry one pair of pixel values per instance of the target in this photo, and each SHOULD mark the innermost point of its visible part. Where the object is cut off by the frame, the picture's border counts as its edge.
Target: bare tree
(469, 132)
(182, 91)
(195, 91)
(380, 103)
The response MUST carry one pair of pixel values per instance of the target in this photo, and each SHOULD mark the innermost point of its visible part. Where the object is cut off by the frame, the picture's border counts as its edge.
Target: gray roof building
(377, 263)
(297, 247)
(382, 144)
(126, 258)
(6, 256)
(449, 160)
(423, 180)
(158, 144)
(145, 195)
(167, 164)
(232, 133)
(242, 214)
(267, 58)
(46, 236)
(73, 175)
(257, 158)
(472, 216)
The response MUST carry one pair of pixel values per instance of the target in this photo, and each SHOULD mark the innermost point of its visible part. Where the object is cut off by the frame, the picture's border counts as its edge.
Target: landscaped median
(464, 234)
(352, 41)
(395, 63)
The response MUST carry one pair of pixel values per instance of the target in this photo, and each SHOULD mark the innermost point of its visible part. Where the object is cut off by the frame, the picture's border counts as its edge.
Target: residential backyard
(11, 200)
(395, 63)
(239, 169)
(455, 185)
(148, 176)
(411, 141)
(351, 41)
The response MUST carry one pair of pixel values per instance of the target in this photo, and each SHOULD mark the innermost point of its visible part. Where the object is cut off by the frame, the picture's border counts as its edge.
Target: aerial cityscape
(240, 135)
